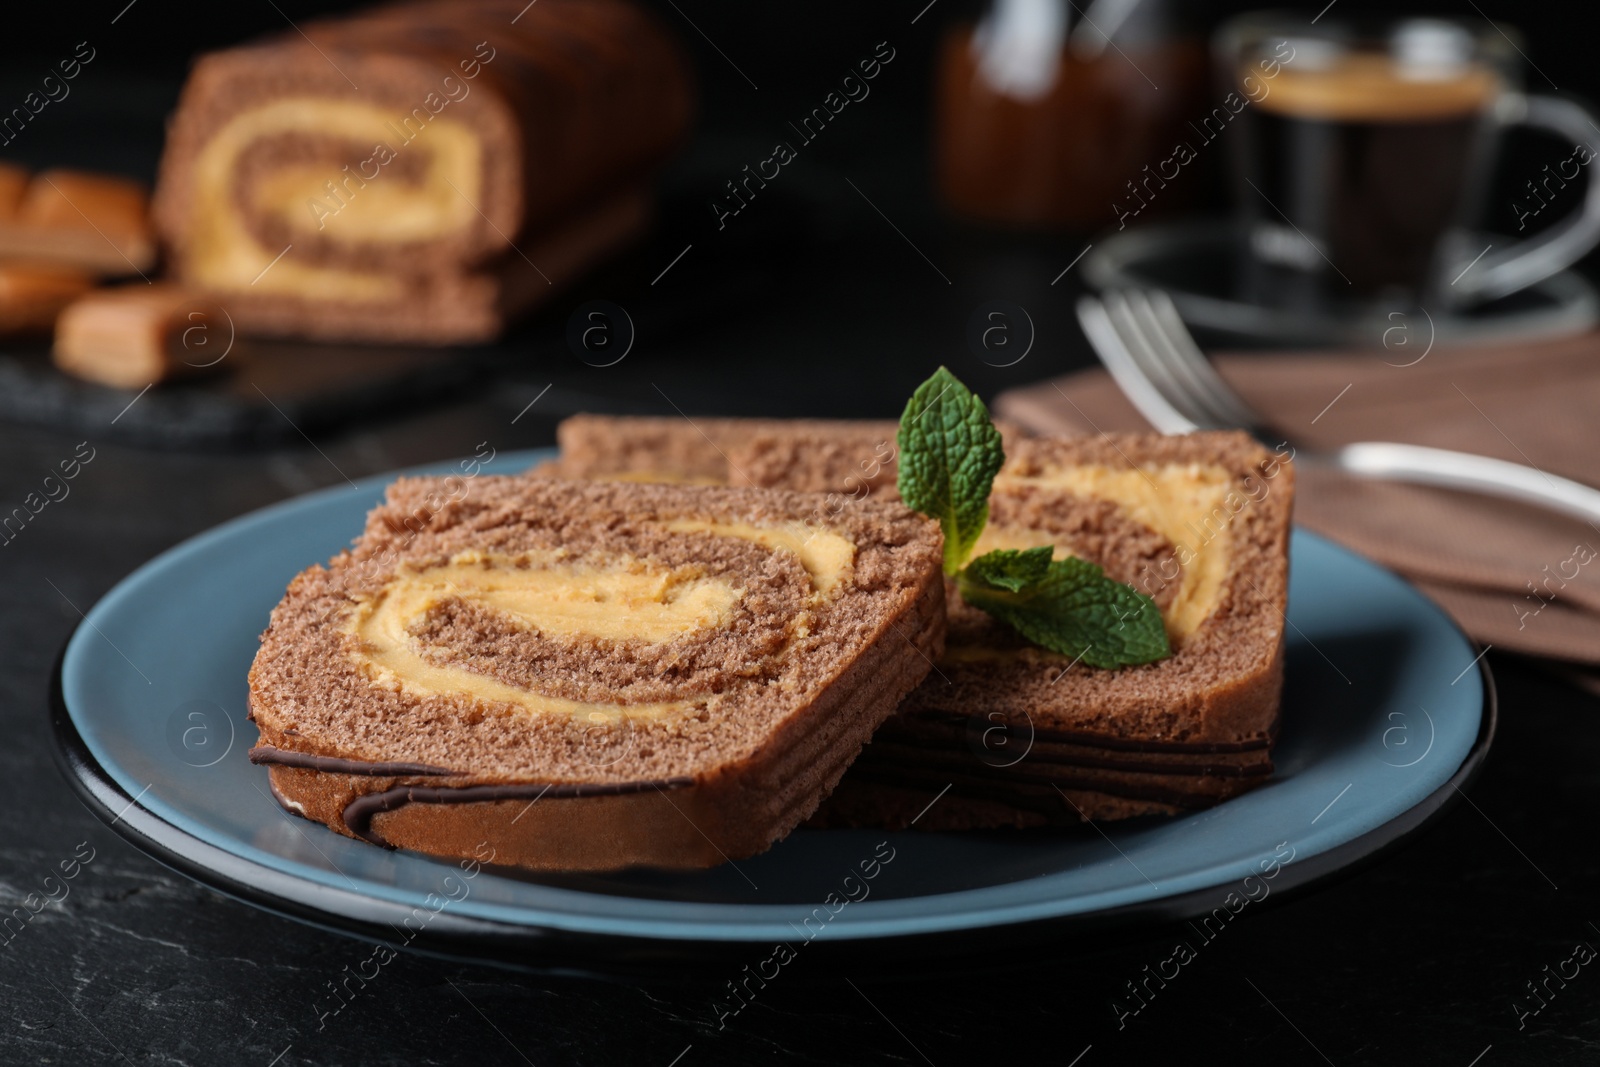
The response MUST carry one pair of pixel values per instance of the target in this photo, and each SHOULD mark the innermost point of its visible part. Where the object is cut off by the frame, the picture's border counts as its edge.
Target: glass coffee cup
(1362, 152)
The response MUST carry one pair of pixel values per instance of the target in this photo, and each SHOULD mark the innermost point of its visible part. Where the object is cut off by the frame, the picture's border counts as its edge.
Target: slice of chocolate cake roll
(418, 172)
(577, 675)
(1027, 737)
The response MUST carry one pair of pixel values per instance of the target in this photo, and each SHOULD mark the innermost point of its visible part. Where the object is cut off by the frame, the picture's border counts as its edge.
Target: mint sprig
(1009, 569)
(949, 455)
(1073, 609)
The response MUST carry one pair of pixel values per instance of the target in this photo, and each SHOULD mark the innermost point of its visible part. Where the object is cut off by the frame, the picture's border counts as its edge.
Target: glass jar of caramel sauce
(1053, 115)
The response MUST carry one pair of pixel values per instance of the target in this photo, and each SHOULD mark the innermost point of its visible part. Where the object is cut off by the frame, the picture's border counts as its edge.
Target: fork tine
(1138, 330)
(1221, 397)
(1172, 368)
(1112, 349)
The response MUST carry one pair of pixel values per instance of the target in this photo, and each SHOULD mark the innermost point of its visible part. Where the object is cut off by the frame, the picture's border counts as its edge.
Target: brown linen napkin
(1514, 576)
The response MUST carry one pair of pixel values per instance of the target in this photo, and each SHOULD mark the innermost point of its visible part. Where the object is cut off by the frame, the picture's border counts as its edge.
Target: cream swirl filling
(1187, 503)
(553, 595)
(226, 256)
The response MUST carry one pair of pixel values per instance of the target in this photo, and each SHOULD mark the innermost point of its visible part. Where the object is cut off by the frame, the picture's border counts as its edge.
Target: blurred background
(848, 278)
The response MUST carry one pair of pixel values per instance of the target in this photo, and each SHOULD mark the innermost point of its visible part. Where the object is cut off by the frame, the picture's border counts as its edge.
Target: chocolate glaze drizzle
(899, 751)
(336, 765)
(1030, 795)
(1075, 737)
(359, 813)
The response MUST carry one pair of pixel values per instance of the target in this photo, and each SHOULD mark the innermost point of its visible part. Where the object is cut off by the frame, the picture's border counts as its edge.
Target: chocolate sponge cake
(722, 451)
(853, 459)
(418, 172)
(591, 675)
(1023, 736)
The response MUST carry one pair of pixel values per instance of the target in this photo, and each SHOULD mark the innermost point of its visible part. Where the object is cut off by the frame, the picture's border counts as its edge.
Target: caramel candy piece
(94, 222)
(136, 335)
(13, 183)
(32, 295)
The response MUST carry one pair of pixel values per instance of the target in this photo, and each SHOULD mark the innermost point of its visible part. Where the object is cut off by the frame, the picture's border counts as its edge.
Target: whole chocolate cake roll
(418, 172)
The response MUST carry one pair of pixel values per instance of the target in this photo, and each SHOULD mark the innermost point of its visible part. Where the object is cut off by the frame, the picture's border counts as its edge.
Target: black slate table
(1424, 957)
(833, 295)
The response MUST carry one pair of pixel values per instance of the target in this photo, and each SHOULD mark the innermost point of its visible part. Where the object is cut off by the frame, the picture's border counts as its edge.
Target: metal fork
(1155, 361)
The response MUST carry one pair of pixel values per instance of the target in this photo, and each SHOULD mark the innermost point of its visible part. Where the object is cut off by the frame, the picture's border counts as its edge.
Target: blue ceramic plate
(1385, 718)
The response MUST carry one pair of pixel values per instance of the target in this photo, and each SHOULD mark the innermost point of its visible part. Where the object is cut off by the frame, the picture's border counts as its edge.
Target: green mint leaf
(1009, 569)
(1074, 609)
(949, 455)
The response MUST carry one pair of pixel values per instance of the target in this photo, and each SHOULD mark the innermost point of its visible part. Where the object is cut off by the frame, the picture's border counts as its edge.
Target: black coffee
(1354, 172)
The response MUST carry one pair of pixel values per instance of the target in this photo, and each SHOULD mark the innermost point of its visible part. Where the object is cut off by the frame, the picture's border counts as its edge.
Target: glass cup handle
(1561, 245)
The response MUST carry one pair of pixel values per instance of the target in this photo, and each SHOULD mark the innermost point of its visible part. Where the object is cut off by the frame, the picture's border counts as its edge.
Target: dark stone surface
(808, 303)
